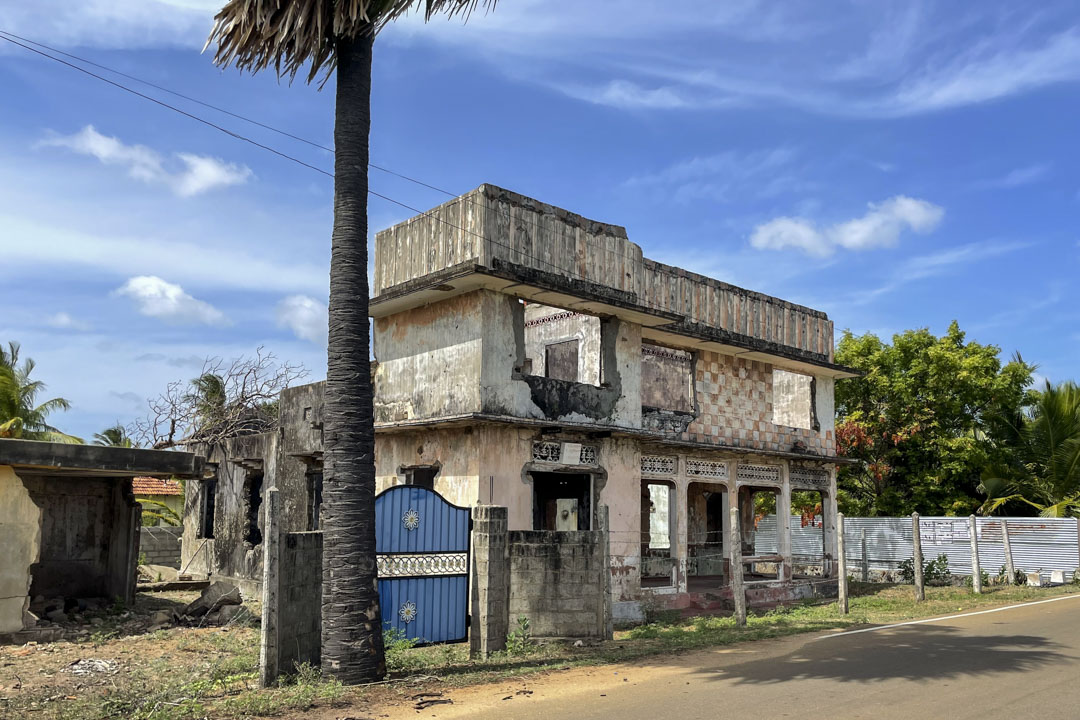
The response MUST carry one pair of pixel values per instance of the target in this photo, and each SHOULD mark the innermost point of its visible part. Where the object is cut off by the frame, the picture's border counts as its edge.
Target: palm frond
(287, 34)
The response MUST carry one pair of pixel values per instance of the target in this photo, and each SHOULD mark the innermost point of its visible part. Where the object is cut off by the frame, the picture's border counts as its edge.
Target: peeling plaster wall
(20, 538)
(735, 407)
(453, 450)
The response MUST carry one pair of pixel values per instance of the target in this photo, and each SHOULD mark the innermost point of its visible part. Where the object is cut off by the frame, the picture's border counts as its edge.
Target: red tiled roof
(155, 486)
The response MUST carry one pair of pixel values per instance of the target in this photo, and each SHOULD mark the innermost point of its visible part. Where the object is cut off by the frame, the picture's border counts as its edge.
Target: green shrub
(519, 640)
(934, 571)
(396, 648)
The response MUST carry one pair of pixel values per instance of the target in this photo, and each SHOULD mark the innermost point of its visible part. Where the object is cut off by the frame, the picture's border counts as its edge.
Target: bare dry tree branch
(228, 398)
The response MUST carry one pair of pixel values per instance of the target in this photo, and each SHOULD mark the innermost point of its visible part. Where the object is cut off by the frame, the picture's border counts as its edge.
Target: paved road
(1013, 663)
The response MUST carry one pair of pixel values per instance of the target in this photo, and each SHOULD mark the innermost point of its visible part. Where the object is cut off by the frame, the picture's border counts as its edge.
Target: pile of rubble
(219, 604)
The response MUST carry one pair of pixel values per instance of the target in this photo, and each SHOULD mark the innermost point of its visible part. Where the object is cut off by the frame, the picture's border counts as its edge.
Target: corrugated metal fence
(1042, 544)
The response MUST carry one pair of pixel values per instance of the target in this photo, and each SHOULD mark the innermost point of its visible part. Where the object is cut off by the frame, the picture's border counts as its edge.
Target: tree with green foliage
(114, 436)
(21, 416)
(1038, 467)
(924, 420)
(338, 36)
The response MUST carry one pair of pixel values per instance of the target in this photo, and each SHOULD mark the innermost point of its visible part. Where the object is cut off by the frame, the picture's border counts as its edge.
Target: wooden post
(841, 559)
(865, 558)
(976, 568)
(738, 593)
(916, 545)
(1010, 568)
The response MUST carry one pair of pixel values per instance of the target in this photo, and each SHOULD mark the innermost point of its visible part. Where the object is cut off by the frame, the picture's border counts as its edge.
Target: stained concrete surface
(1021, 662)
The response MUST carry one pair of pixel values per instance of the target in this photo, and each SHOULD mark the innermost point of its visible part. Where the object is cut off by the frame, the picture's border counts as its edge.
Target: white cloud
(721, 176)
(199, 173)
(881, 226)
(161, 299)
(122, 24)
(1016, 178)
(63, 321)
(305, 316)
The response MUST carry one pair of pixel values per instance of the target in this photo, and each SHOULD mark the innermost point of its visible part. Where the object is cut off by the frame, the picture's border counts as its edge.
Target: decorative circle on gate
(407, 613)
(411, 519)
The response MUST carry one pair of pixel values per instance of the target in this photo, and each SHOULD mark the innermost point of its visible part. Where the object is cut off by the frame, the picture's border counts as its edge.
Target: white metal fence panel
(1038, 544)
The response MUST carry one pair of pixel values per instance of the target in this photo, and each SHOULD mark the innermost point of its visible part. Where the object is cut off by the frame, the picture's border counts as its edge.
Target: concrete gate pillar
(490, 581)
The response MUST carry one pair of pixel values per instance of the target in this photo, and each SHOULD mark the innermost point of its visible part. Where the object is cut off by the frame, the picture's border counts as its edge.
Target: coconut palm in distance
(113, 436)
(329, 35)
(20, 415)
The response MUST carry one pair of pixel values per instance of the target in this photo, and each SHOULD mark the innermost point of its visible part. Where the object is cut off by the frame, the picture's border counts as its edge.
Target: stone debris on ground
(91, 666)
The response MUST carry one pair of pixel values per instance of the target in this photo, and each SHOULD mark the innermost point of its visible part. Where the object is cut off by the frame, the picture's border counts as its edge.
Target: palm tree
(20, 415)
(1044, 472)
(338, 34)
(114, 436)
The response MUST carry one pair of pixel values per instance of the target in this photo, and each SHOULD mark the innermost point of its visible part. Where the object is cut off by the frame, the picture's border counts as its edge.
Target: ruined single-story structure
(530, 358)
(69, 523)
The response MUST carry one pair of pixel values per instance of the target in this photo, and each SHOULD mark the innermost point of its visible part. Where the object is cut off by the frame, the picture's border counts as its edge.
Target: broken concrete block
(1057, 577)
(219, 594)
(56, 616)
(1034, 579)
(161, 617)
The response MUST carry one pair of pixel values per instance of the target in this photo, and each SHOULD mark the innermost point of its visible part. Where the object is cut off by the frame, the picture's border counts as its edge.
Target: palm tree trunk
(352, 647)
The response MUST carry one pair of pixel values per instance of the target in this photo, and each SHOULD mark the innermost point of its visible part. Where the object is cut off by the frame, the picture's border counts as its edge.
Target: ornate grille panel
(547, 451)
(658, 464)
(566, 453)
(426, 565)
(810, 477)
(588, 455)
(707, 468)
(758, 473)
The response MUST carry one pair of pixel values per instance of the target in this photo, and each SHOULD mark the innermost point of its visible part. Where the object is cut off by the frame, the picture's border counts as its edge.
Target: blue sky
(897, 165)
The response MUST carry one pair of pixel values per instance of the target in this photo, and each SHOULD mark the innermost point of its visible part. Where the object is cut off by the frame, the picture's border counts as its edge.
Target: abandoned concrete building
(69, 525)
(530, 358)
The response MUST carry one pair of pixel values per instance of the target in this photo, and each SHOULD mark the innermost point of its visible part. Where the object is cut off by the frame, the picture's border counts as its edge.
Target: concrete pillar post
(268, 646)
(604, 526)
(841, 562)
(738, 593)
(916, 546)
(865, 557)
(783, 525)
(490, 581)
(1010, 568)
(976, 567)
(828, 512)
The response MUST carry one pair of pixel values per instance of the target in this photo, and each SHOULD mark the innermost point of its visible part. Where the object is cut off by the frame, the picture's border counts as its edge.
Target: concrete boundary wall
(160, 545)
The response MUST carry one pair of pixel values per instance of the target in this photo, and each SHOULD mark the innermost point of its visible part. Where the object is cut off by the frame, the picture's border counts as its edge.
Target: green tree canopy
(924, 420)
(114, 436)
(1038, 466)
(21, 416)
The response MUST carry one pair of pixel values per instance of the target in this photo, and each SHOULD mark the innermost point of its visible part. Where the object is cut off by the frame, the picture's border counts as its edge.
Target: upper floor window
(793, 400)
(421, 476)
(667, 378)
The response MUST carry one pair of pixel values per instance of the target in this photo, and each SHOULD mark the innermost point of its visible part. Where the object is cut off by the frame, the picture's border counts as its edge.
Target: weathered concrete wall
(453, 450)
(793, 404)
(735, 407)
(557, 581)
(161, 545)
(506, 230)
(490, 582)
(667, 378)
(300, 599)
(20, 538)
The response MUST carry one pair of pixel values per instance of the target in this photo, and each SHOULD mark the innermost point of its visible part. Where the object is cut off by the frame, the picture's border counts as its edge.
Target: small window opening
(314, 494)
(207, 504)
(253, 484)
(562, 501)
(423, 476)
(793, 400)
(667, 378)
(562, 344)
(657, 521)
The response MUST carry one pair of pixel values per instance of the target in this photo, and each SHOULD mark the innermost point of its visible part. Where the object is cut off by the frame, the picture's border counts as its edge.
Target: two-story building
(532, 358)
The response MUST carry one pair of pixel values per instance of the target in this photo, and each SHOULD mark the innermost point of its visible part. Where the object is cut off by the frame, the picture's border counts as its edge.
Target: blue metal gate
(422, 549)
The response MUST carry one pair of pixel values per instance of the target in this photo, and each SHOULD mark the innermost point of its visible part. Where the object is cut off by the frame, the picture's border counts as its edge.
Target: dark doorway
(207, 504)
(253, 485)
(314, 488)
(559, 498)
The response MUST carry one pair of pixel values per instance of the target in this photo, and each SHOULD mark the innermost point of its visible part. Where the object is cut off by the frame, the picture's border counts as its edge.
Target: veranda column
(738, 593)
(828, 511)
(783, 524)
